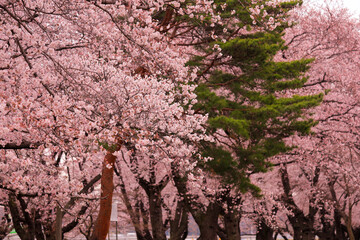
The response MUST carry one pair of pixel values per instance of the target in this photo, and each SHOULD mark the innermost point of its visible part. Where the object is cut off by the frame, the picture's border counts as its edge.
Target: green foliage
(107, 147)
(252, 49)
(196, 61)
(239, 126)
(249, 96)
(214, 102)
(223, 164)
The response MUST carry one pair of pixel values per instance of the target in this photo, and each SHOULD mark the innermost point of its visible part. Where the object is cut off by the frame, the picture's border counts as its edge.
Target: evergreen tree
(247, 94)
(253, 101)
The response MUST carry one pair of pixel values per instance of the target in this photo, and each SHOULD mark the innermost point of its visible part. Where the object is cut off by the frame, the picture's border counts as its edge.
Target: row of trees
(320, 186)
(189, 103)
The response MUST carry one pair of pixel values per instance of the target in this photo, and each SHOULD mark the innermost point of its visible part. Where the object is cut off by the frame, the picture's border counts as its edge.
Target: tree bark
(207, 221)
(179, 225)
(102, 224)
(264, 232)
(58, 224)
(157, 225)
(357, 233)
(338, 226)
(138, 215)
(232, 225)
(25, 231)
(327, 232)
(349, 229)
(303, 226)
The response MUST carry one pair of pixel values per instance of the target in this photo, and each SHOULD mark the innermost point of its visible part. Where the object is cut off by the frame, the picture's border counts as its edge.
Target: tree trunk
(327, 232)
(303, 226)
(138, 215)
(58, 224)
(208, 221)
(24, 231)
(357, 233)
(179, 225)
(155, 209)
(264, 232)
(308, 234)
(297, 232)
(326, 235)
(303, 230)
(349, 229)
(232, 225)
(338, 226)
(102, 224)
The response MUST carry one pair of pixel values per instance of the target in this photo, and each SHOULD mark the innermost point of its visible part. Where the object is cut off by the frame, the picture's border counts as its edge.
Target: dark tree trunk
(207, 221)
(179, 225)
(357, 233)
(25, 230)
(308, 233)
(232, 225)
(264, 232)
(303, 226)
(326, 236)
(138, 216)
(40, 229)
(156, 217)
(58, 223)
(327, 231)
(339, 227)
(153, 191)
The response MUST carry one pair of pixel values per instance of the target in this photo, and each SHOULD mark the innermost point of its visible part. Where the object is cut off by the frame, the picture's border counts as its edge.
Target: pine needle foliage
(250, 98)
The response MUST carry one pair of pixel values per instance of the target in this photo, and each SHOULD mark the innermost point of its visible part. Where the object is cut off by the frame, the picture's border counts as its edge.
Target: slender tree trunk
(102, 224)
(39, 233)
(297, 232)
(58, 224)
(326, 235)
(303, 226)
(349, 229)
(303, 230)
(138, 215)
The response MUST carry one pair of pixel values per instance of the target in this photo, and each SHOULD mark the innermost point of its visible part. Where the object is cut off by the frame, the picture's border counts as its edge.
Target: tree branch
(22, 145)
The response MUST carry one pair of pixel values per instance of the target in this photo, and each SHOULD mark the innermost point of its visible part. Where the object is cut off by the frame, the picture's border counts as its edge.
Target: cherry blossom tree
(90, 88)
(79, 78)
(238, 87)
(318, 180)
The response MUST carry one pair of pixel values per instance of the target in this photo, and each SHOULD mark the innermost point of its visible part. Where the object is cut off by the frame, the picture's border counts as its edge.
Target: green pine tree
(242, 89)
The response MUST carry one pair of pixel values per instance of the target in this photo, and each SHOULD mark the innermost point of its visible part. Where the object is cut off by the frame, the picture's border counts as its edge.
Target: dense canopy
(186, 113)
